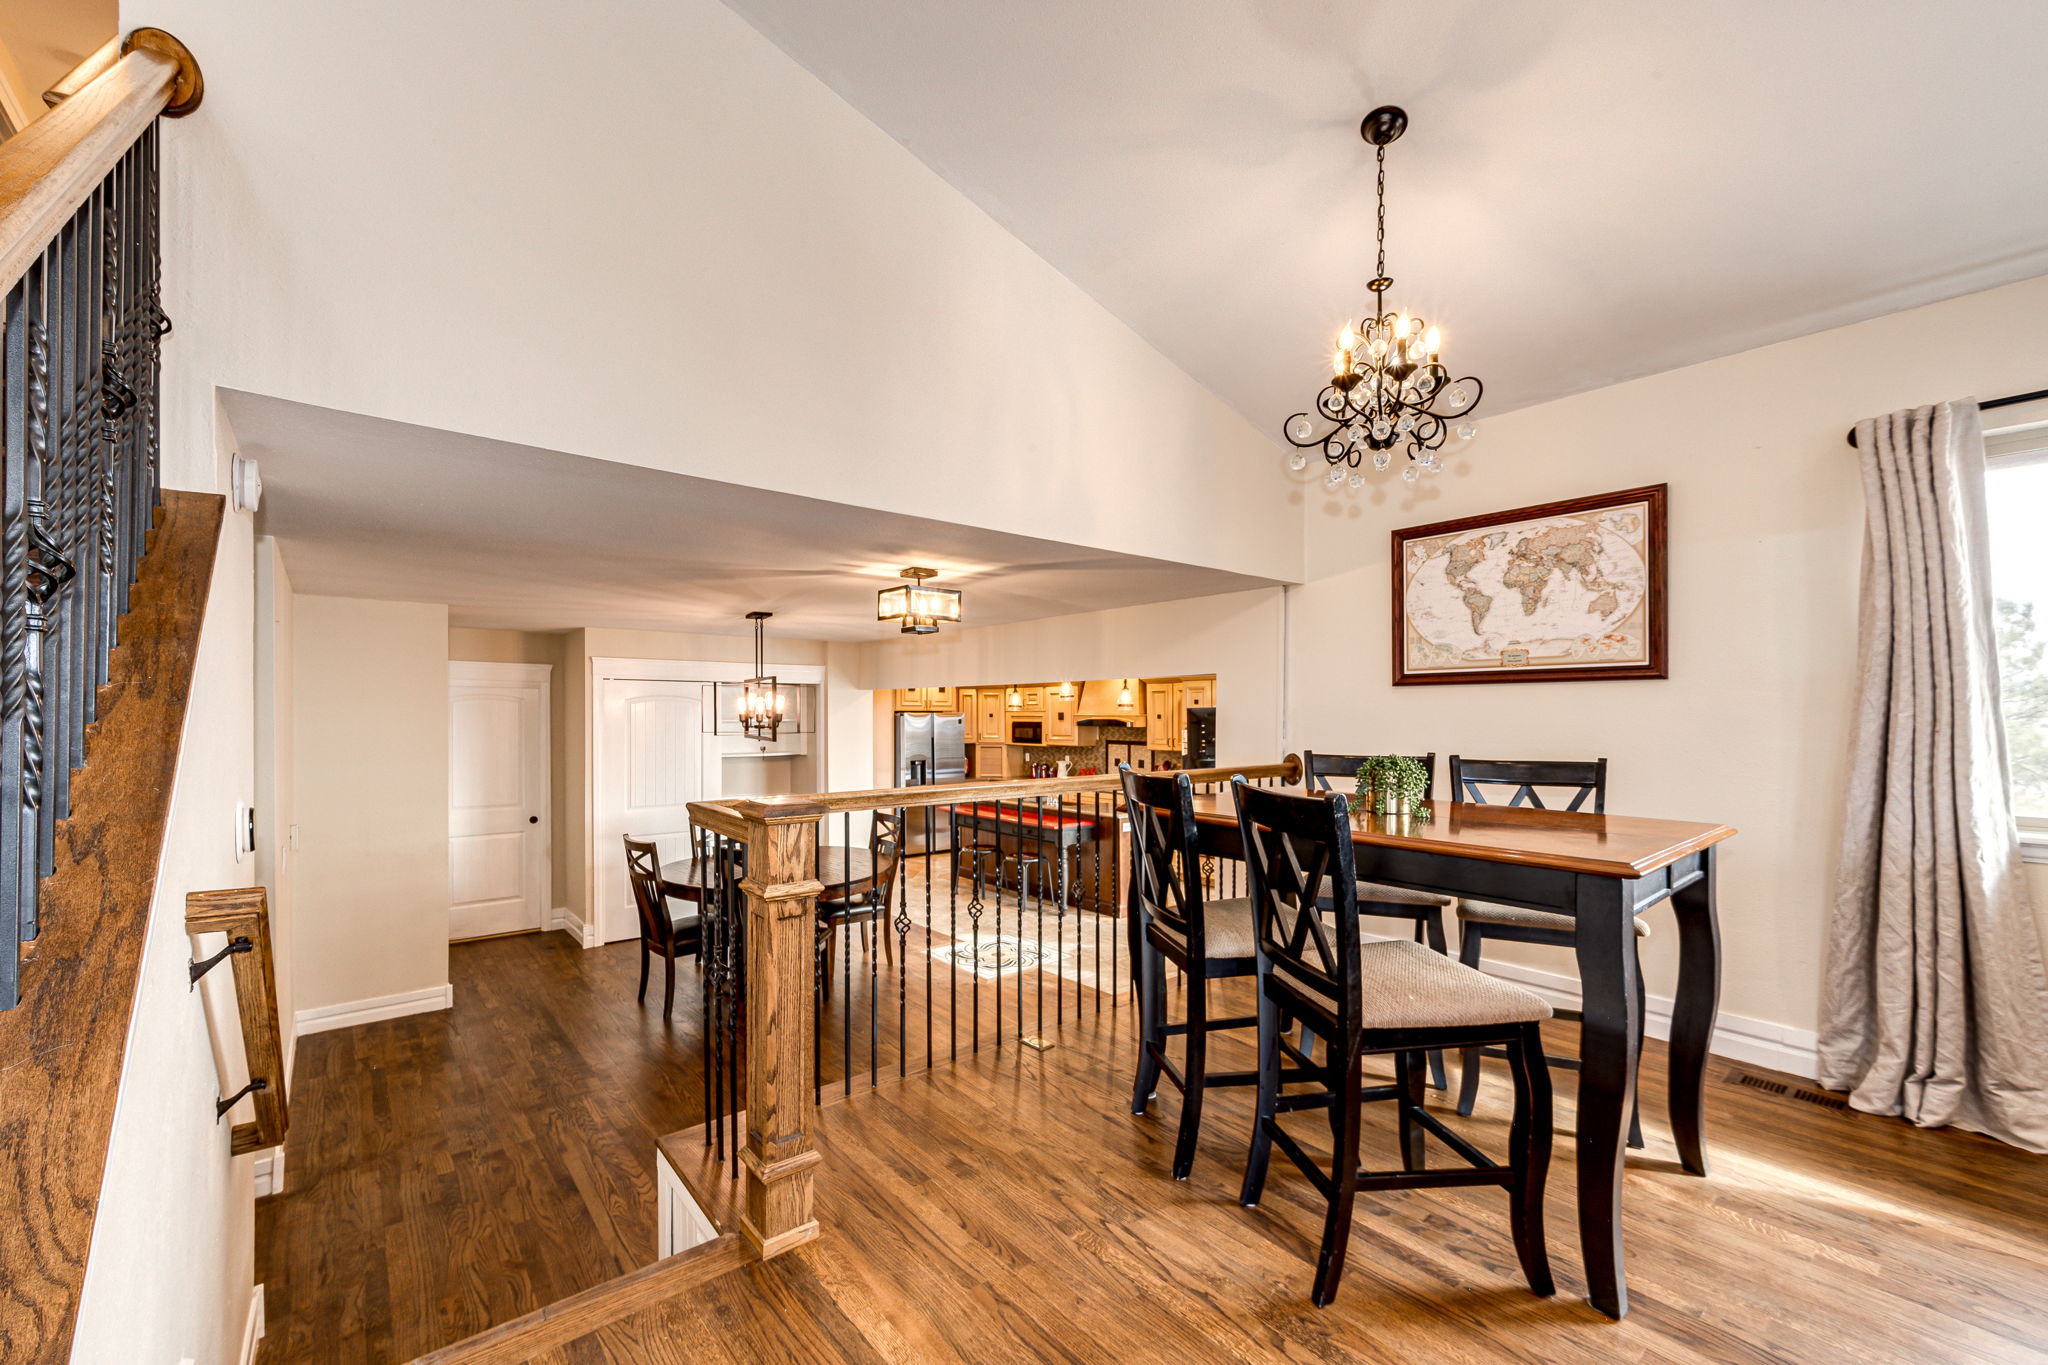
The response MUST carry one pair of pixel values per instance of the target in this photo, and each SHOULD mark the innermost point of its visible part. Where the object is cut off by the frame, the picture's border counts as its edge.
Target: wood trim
(62, 1049)
(51, 167)
(85, 73)
(245, 912)
(563, 1321)
(1656, 597)
(1023, 789)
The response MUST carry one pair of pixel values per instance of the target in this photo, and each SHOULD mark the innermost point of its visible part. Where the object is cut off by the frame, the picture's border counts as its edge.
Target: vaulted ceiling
(1590, 190)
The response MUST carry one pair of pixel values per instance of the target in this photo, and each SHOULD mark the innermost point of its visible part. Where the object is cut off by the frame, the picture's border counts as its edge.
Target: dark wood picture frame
(1656, 498)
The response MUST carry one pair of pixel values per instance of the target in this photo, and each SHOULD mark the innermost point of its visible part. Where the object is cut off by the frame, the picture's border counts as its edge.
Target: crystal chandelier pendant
(1388, 390)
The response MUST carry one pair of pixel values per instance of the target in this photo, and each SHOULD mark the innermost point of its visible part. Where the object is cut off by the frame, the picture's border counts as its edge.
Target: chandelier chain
(1380, 220)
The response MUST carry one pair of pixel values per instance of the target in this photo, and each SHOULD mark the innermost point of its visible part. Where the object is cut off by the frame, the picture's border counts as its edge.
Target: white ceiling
(515, 537)
(1589, 191)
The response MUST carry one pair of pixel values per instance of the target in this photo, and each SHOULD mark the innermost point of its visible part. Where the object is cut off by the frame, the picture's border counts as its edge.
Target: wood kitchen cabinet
(1196, 692)
(1031, 701)
(1162, 729)
(988, 705)
(926, 699)
(1063, 720)
(968, 702)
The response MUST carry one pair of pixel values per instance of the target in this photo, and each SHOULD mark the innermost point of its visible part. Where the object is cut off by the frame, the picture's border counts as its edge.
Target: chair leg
(1432, 924)
(1196, 1066)
(1344, 1121)
(643, 972)
(1470, 942)
(1529, 1150)
(1635, 1108)
(668, 993)
(1150, 981)
(1271, 1026)
(1414, 1140)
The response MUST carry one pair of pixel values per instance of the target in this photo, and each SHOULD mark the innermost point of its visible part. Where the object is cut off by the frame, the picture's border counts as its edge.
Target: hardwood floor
(448, 1172)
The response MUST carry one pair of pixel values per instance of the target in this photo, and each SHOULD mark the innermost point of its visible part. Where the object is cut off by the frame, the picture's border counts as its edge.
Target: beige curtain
(1936, 1001)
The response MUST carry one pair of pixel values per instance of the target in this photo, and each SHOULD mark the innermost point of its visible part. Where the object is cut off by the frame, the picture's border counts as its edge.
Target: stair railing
(1010, 897)
(80, 329)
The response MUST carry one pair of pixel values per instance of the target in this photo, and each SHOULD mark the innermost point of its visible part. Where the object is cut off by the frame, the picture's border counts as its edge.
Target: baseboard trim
(567, 920)
(352, 1012)
(252, 1329)
(268, 1172)
(1755, 1041)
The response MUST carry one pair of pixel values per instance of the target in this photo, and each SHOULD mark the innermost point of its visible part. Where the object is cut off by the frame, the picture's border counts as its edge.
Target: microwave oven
(1027, 732)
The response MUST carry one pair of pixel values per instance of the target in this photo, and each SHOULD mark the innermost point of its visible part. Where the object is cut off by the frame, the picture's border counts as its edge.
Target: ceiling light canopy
(1388, 389)
(918, 605)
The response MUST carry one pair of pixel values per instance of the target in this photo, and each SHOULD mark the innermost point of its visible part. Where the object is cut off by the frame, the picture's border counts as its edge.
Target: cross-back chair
(1388, 996)
(1424, 909)
(1173, 921)
(1573, 786)
(661, 931)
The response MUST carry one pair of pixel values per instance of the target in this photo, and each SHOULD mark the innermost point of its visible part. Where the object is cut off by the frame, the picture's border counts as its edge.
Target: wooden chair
(1424, 909)
(869, 902)
(1388, 996)
(1578, 784)
(1171, 921)
(660, 931)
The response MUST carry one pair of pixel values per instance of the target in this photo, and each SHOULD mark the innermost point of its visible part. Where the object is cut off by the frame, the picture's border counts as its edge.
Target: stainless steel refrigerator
(930, 749)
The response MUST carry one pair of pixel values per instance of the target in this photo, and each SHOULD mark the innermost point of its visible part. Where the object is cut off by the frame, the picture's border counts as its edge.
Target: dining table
(843, 872)
(1603, 870)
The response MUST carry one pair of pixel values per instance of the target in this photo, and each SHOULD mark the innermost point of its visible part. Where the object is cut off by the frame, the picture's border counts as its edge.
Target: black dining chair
(1173, 921)
(1387, 996)
(661, 930)
(1424, 909)
(1576, 785)
(866, 903)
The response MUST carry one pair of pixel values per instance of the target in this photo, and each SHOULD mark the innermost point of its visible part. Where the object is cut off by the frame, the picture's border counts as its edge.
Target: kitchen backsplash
(1084, 756)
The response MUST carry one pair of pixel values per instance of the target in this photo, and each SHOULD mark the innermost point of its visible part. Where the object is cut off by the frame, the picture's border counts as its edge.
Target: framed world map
(1568, 591)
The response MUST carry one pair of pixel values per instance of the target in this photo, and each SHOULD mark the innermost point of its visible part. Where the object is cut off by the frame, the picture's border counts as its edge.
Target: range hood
(1099, 705)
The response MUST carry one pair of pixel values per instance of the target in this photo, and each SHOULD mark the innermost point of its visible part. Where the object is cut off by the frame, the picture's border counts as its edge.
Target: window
(2016, 488)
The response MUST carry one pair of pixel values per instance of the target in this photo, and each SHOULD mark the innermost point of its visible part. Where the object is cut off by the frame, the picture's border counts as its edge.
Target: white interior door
(497, 798)
(654, 759)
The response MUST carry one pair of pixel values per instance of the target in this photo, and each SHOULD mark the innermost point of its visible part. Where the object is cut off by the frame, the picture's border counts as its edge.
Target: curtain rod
(1988, 404)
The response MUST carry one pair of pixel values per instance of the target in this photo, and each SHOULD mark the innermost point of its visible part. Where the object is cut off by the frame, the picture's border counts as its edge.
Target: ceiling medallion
(762, 704)
(918, 605)
(1388, 390)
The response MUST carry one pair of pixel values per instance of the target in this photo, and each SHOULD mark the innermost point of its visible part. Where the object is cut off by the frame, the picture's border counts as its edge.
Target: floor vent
(1818, 1098)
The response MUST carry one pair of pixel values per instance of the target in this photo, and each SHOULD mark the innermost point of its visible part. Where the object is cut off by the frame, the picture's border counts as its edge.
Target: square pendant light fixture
(917, 605)
(762, 705)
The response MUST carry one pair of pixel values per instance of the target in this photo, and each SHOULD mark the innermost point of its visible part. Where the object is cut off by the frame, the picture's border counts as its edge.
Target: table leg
(1607, 1078)
(1692, 1014)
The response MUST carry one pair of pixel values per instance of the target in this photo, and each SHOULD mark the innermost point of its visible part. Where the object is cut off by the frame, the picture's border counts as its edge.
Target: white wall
(370, 742)
(652, 238)
(276, 863)
(1237, 636)
(170, 1270)
(1751, 728)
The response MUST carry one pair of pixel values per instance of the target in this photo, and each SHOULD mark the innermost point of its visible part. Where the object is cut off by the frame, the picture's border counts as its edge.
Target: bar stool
(1483, 920)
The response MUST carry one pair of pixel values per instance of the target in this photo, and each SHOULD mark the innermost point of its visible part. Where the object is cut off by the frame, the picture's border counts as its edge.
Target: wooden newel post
(782, 889)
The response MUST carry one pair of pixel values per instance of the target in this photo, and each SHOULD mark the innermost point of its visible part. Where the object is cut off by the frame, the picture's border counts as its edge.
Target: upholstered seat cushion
(1485, 912)
(1226, 929)
(1401, 895)
(1404, 985)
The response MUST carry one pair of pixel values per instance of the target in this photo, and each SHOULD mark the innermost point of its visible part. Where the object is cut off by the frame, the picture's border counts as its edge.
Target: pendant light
(762, 704)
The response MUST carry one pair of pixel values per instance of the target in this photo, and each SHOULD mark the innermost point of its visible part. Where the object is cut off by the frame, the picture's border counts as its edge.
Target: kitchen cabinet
(1196, 692)
(1029, 703)
(925, 699)
(1062, 720)
(968, 700)
(992, 760)
(1162, 729)
(988, 703)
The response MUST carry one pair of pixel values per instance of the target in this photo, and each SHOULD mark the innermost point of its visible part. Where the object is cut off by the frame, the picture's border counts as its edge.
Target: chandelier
(762, 704)
(919, 606)
(1388, 390)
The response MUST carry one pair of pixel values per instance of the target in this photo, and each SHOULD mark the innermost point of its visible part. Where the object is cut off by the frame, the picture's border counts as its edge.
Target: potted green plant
(1392, 784)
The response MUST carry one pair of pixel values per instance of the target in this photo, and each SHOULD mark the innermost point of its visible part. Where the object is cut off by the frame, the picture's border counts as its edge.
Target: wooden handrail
(51, 167)
(85, 73)
(243, 914)
(780, 835)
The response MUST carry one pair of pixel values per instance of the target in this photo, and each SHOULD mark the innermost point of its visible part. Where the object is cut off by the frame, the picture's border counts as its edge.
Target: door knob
(533, 819)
